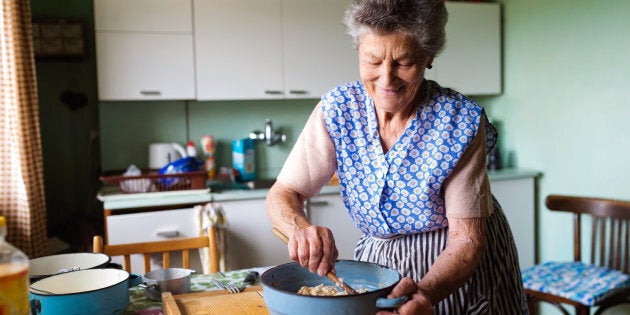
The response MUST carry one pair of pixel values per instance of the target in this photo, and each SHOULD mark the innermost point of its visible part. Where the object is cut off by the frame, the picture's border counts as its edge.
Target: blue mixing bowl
(281, 284)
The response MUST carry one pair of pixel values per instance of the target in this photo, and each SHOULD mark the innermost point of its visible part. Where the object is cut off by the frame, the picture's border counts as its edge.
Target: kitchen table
(141, 305)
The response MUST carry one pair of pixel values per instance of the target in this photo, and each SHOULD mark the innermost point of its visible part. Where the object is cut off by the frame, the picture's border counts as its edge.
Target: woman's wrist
(422, 297)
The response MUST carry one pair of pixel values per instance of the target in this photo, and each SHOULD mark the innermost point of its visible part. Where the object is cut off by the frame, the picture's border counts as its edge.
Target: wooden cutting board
(247, 302)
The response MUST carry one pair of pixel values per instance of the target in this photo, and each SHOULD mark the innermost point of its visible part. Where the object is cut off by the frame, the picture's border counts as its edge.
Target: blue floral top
(399, 192)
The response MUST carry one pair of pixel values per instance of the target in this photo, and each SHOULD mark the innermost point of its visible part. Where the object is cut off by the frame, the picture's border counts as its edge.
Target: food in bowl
(325, 290)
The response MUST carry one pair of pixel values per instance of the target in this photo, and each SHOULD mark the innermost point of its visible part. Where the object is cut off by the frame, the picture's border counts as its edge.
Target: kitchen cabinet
(265, 49)
(155, 216)
(153, 226)
(471, 61)
(271, 49)
(328, 210)
(517, 194)
(250, 242)
(144, 50)
(317, 52)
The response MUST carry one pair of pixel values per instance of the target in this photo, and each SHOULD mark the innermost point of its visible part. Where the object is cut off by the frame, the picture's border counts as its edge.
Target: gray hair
(423, 19)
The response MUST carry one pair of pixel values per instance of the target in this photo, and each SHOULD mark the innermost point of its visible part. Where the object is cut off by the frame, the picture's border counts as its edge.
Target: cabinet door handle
(150, 93)
(317, 203)
(168, 234)
(273, 92)
(298, 92)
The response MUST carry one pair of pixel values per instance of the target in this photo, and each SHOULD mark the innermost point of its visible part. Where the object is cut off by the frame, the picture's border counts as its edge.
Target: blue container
(281, 284)
(83, 292)
(243, 159)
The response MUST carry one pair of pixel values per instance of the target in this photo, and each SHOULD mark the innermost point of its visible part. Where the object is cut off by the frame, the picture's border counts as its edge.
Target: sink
(261, 183)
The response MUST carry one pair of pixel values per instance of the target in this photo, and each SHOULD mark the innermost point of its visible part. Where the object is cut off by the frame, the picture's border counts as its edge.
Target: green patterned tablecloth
(140, 305)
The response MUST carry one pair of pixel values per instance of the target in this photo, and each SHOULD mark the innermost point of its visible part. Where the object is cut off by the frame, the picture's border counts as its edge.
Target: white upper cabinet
(238, 48)
(144, 50)
(471, 62)
(318, 54)
(143, 15)
(271, 49)
(265, 49)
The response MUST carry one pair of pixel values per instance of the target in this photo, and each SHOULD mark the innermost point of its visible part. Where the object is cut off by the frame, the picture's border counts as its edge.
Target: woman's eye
(405, 64)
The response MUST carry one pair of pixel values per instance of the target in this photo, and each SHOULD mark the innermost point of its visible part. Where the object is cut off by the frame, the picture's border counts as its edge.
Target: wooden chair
(603, 277)
(183, 245)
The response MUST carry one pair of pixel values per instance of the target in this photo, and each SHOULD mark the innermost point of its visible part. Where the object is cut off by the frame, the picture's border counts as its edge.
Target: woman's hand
(314, 248)
(418, 304)
(311, 246)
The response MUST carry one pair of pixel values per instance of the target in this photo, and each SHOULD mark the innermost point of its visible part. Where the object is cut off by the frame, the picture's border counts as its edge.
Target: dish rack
(152, 182)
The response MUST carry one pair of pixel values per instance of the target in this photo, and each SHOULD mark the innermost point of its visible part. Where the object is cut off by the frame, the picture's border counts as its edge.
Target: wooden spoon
(331, 274)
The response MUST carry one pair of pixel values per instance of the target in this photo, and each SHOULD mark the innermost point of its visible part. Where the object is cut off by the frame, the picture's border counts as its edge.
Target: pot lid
(79, 281)
(50, 265)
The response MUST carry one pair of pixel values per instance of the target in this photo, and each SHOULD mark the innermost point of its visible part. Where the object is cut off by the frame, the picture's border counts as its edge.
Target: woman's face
(392, 69)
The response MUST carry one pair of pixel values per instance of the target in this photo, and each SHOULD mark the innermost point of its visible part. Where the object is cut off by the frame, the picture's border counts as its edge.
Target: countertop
(112, 198)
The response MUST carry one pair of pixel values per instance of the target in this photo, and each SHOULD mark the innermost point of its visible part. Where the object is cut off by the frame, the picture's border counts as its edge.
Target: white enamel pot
(83, 292)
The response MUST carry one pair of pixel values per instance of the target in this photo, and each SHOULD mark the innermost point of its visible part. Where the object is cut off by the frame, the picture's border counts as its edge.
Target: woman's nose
(387, 72)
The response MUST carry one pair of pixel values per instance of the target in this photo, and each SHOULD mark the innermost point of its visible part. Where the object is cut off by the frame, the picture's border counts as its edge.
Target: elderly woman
(410, 156)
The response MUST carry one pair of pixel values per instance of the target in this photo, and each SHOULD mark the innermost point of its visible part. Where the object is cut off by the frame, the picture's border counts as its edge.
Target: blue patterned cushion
(576, 281)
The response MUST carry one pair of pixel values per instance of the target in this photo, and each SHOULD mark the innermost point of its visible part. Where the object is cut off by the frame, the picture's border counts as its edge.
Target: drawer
(151, 226)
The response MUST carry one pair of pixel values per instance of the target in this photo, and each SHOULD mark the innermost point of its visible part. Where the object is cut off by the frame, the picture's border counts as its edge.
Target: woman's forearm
(285, 208)
(456, 264)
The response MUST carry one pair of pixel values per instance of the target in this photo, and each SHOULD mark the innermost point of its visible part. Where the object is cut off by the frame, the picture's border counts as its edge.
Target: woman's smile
(391, 69)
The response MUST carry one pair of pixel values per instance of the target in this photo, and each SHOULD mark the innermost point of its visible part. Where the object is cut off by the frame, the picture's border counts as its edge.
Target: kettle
(163, 153)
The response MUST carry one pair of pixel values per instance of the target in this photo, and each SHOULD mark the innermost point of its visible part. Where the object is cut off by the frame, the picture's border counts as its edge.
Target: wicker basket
(152, 182)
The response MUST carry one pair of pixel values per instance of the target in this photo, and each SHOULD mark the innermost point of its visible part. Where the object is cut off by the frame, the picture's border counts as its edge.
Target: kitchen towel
(211, 214)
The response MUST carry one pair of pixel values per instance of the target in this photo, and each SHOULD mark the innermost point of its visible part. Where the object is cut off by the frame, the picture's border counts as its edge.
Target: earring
(430, 66)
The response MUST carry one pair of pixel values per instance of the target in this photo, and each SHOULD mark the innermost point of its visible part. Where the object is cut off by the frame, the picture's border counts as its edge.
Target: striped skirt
(495, 287)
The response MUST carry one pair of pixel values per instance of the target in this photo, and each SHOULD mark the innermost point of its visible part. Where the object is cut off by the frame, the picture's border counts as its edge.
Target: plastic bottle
(207, 146)
(191, 150)
(14, 294)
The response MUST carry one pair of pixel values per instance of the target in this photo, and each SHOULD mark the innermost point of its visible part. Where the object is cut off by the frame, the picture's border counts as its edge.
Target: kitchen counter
(249, 224)
(512, 173)
(112, 198)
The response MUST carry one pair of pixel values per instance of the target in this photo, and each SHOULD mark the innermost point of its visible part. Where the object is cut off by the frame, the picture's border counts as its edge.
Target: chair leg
(582, 310)
(531, 305)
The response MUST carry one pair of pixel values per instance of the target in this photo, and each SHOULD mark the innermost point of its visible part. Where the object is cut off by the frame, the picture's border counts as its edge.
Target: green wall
(128, 128)
(564, 107)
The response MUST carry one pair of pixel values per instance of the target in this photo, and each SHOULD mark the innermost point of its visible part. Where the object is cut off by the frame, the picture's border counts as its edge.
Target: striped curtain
(22, 199)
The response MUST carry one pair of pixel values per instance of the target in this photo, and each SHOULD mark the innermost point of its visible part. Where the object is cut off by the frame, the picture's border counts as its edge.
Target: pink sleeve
(312, 161)
(467, 189)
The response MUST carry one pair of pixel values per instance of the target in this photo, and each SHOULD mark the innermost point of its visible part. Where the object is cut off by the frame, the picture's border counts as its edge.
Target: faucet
(269, 136)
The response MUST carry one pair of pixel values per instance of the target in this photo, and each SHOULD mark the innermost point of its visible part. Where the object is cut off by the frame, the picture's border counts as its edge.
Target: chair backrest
(183, 245)
(610, 228)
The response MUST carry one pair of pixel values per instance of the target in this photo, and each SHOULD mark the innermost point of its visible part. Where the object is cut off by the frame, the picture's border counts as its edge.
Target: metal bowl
(174, 280)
